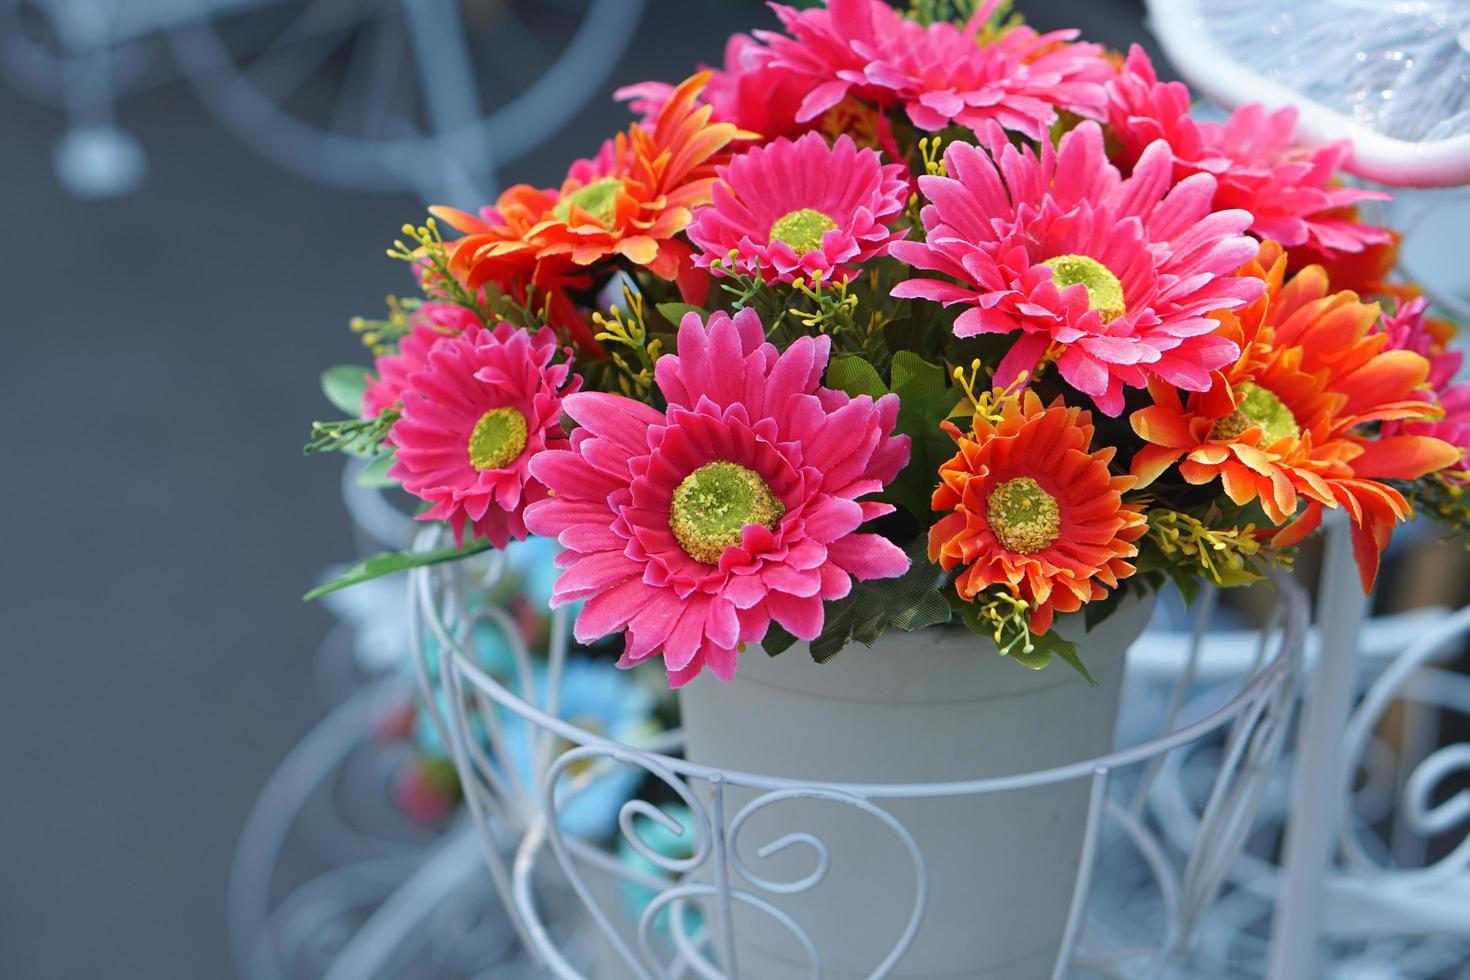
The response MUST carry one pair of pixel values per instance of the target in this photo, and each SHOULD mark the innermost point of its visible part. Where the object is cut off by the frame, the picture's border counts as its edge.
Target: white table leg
(1320, 777)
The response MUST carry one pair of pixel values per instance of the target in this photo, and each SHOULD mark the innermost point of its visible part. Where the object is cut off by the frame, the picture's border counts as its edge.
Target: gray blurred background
(159, 521)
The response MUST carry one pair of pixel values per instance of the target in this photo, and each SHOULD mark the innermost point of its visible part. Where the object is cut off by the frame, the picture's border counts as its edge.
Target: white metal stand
(659, 942)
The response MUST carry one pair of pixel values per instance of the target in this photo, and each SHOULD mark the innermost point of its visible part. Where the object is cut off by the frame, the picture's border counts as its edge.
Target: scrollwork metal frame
(518, 824)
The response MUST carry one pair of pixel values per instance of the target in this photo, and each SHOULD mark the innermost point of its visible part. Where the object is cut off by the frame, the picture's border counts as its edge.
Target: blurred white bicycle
(431, 96)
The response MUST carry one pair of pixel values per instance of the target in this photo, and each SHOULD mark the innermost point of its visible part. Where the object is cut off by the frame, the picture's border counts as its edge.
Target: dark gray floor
(159, 523)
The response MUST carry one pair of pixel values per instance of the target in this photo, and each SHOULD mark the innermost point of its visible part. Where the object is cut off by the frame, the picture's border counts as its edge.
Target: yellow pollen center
(802, 230)
(1023, 516)
(1257, 406)
(497, 439)
(599, 199)
(712, 505)
(1104, 291)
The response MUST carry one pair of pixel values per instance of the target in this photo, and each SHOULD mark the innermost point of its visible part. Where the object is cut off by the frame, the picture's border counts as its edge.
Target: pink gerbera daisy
(472, 419)
(940, 74)
(691, 530)
(797, 210)
(430, 323)
(1113, 278)
(1258, 166)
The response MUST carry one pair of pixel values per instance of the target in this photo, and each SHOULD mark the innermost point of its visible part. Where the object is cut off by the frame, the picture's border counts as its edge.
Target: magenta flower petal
(868, 556)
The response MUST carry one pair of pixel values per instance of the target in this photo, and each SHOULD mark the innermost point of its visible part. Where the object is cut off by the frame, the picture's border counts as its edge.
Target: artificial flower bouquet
(903, 318)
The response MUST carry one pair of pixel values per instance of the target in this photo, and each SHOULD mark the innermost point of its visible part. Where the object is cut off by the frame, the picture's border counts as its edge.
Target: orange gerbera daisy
(630, 200)
(1034, 509)
(1285, 422)
(497, 252)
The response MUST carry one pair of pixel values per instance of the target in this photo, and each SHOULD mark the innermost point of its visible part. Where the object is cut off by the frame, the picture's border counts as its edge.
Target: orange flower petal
(1162, 427)
(1404, 457)
(1388, 377)
(1150, 462)
(1296, 532)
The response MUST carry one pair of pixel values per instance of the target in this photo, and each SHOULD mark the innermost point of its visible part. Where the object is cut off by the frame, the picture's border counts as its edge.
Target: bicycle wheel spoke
(519, 53)
(370, 79)
(302, 47)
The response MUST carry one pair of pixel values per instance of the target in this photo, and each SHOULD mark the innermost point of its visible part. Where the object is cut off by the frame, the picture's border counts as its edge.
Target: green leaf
(1037, 658)
(388, 562)
(932, 609)
(852, 374)
(925, 400)
(967, 613)
(375, 475)
(919, 378)
(1097, 610)
(777, 641)
(1044, 648)
(674, 312)
(1187, 584)
(911, 601)
(1067, 650)
(344, 385)
(1016, 638)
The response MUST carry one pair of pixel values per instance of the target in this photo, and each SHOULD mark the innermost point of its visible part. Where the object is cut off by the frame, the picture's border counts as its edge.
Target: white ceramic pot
(934, 706)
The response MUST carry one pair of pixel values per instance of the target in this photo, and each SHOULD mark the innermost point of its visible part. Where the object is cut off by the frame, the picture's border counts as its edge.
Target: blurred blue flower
(599, 698)
(595, 696)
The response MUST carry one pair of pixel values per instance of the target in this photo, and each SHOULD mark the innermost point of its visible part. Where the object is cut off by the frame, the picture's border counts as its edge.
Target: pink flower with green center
(941, 74)
(692, 530)
(432, 322)
(1112, 278)
(473, 418)
(795, 210)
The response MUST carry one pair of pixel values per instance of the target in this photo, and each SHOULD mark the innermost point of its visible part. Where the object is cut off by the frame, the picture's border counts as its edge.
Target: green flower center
(1023, 516)
(712, 505)
(1258, 406)
(1104, 291)
(497, 439)
(599, 199)
(802, 230)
